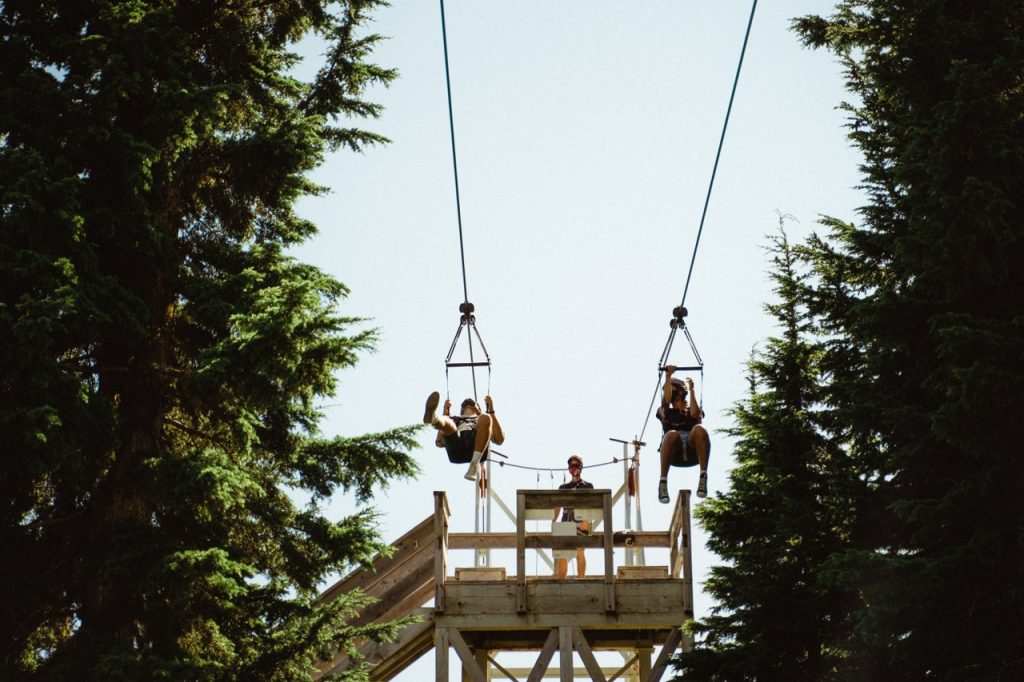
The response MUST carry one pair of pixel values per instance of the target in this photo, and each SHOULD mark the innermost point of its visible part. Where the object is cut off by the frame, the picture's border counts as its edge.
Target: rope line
(707, 199)
(614, 460)
(455, 161)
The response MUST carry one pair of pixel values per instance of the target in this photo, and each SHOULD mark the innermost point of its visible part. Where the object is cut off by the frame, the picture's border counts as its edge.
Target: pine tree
(922, 303)
(790, 507)
(162, 355)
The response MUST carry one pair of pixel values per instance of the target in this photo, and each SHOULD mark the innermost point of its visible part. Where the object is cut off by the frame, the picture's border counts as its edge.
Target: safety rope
(614, 460)
(704, 212)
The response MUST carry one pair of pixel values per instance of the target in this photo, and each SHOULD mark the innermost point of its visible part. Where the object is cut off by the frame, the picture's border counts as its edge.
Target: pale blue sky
(586, 133)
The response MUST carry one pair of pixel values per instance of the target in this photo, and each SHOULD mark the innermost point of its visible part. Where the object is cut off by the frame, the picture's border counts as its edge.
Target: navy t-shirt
(567, 514)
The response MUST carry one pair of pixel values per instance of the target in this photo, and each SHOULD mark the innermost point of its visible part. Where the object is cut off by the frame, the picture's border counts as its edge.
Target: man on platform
(582, 526)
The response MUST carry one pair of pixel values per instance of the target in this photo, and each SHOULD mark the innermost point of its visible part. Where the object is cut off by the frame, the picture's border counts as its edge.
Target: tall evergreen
(787, 511)
(923, 306)
(162, 356)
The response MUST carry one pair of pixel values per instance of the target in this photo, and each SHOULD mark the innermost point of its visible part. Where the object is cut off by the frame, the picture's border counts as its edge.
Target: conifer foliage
(904, 471)
(923, 304)
(162, 356)
(787, 511)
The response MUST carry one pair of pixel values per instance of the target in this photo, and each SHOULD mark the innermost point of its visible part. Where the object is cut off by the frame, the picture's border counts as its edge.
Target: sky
(586, 132)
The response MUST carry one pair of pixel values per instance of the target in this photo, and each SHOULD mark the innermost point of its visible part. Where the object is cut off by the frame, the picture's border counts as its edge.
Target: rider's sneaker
(702, 485)
(663, 491)
(472, 472)
(429, 414)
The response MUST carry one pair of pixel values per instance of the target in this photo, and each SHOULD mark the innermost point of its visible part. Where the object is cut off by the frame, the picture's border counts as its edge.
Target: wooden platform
(478, 611)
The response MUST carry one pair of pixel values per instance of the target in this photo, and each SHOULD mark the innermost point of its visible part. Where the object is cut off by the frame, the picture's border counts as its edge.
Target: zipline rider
(467, 436)
(685, 442)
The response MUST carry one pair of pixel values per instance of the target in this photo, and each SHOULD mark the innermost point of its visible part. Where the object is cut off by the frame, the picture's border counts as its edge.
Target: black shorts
(459, 447)
(682, 455)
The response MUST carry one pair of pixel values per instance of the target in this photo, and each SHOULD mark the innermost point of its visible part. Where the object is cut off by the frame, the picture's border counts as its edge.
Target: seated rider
(685, 442)
(465, 437)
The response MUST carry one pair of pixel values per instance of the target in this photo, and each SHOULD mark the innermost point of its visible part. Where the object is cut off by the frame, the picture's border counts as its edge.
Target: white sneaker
(430, 409)
(472, 472)
(702, 485)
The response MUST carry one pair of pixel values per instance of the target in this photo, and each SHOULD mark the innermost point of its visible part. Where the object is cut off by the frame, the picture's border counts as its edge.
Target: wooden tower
(480, 611)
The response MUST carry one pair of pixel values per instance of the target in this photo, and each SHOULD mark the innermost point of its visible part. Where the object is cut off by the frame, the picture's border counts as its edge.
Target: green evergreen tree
(162, 355)
(789, 508)
(923, 306)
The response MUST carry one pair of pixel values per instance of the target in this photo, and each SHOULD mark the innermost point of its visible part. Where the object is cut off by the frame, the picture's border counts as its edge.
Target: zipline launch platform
(480, 611)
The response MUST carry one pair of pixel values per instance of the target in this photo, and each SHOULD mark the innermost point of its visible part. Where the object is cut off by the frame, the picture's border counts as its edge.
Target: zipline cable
(455, 161)
(707, 201)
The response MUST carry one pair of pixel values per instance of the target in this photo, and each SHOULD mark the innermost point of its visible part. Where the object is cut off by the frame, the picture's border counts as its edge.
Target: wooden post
(520, 552)
(687, 556)
(441, 514)
(441, 654)
(643, 654)
(609, 556)
(565, 653)
(481, 660)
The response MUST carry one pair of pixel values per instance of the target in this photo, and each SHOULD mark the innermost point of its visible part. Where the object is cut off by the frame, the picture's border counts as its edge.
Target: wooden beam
(658, 669)
(502, 670)
(587, 655)
(544, 659)
(629, 665)
(469, 664)
(565, 653)
(573, 499)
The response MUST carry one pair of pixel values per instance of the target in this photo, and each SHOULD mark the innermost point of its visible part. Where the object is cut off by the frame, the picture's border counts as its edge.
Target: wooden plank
(658, 669)
(574, 499)
(544, 658)
(441, 654)
(641, 572)
(469, 664)
(478, 573)
(565, 654)
(417, 537)
(392, 610)
(409, 593)
(587, 655)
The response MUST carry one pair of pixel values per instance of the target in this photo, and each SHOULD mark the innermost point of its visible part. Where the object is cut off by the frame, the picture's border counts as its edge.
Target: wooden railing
(540, 504)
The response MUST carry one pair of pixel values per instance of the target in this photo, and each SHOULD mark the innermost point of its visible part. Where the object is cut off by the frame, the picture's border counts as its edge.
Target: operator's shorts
(459, 447)
(682, 455)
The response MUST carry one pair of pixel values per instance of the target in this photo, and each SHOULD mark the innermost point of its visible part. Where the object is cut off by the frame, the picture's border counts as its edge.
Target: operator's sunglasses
(575, 465)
